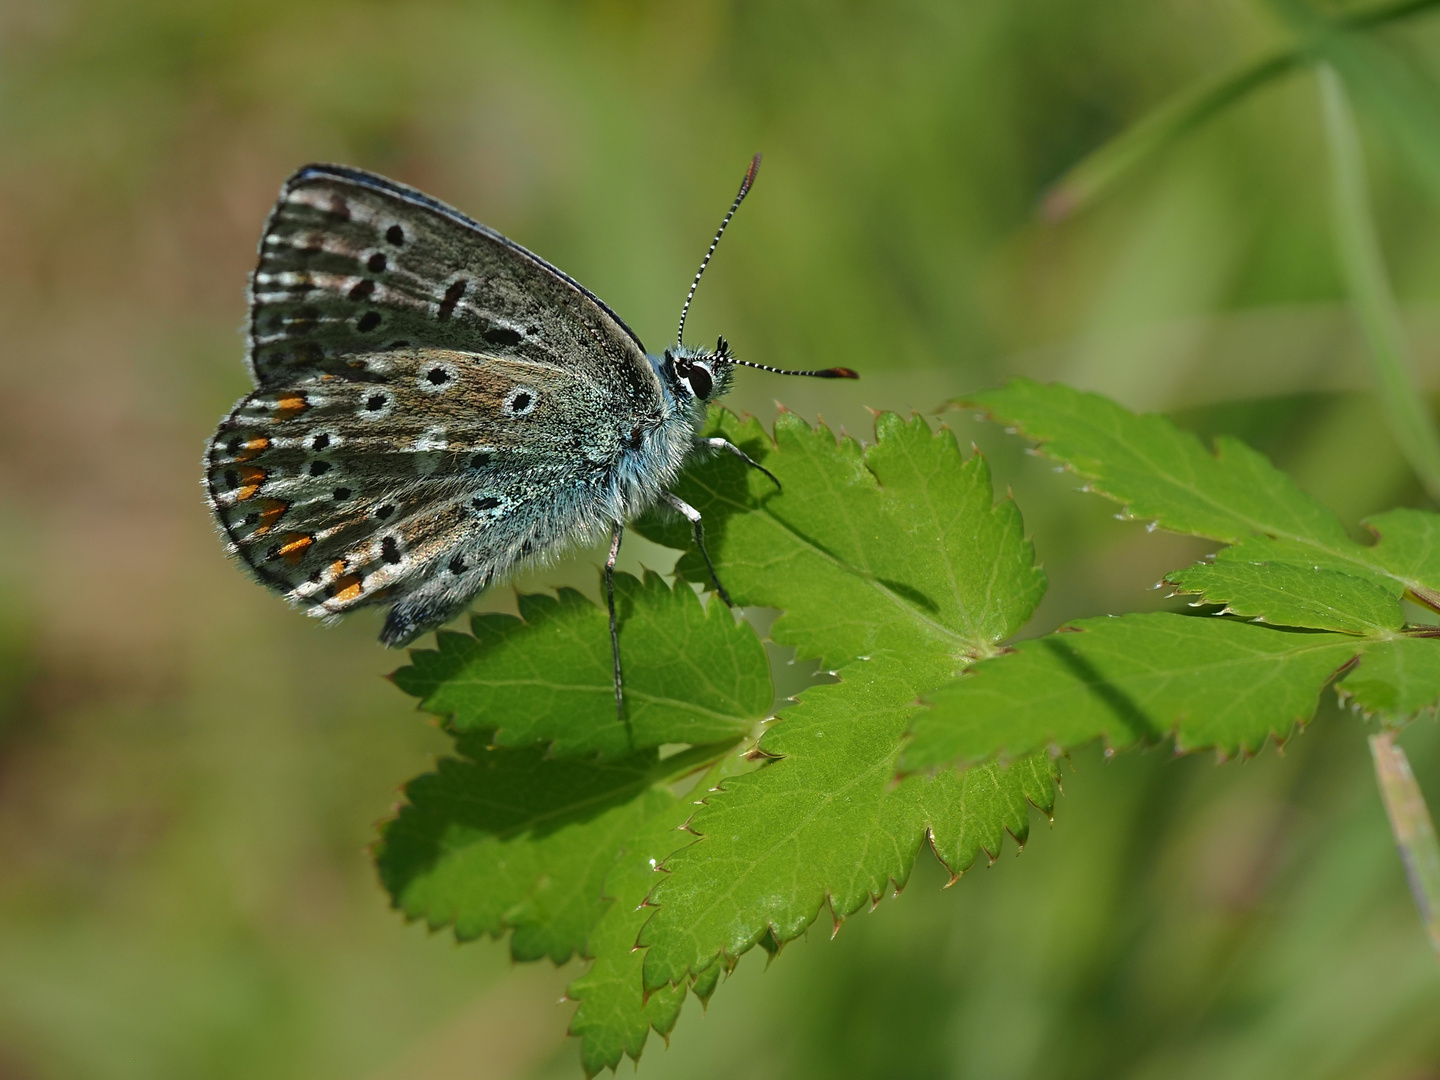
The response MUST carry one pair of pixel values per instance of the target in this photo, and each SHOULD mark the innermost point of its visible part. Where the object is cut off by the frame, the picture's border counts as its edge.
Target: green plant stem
(1363, 267)
(1414, 831)
(1165, 125)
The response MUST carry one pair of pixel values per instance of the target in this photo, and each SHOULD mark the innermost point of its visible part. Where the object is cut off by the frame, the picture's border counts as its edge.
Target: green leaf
(895, 567)
(896, 547)
(1395, 680)
(614, 1016)
(1160, 472)
(1206, 681)
(1407, 547)
(693, 674)
(512, 840)
(1166, 475)
(1288, 595)
(825, 826)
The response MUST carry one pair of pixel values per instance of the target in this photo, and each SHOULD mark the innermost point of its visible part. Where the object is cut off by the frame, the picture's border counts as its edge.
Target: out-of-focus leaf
(1288, 595)
(1363, 263)
(1171, 121)
(693, 674)
(1206, 682)
(1399, 95)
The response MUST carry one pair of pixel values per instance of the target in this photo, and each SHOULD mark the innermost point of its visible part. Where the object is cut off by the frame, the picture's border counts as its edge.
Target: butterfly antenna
(744, 190)
(825, 373)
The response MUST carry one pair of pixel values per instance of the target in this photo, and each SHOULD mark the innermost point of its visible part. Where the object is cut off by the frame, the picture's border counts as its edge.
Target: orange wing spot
(251, 477)
(271, 511)
(253, 448)
(293, 548)
(290, 406)
(346, 588)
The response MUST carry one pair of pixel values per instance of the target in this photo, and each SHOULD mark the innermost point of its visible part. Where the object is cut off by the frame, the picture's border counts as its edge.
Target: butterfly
(435, 406)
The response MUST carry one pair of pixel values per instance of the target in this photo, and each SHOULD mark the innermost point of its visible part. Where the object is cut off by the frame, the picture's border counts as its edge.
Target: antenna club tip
(750, 174)
(837, 373)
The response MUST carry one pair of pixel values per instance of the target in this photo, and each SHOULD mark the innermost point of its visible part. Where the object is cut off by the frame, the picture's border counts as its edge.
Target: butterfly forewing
(353, 264)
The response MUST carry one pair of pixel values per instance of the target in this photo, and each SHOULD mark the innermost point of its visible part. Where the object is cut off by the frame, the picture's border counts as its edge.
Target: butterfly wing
(417, 487)
(434, 405)
(352, 264)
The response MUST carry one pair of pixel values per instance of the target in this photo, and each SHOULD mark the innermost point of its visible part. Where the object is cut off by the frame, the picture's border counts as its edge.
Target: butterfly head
(694, 375)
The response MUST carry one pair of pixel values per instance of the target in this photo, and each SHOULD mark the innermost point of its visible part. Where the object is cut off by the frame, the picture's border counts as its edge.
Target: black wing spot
(376, 263)
(369, 321)
(451, 298)
(390, 550)
(456, 566)
(489, 502)
(376, 402)
(232, 479)
(479, 461)
(341, 494)
(319, 468)
(519, 402)
(252, 519)
(395, 234)
(385, 511)
(233, 446)
(501, 335)
(362, 290)
(320, 442)
(438, 376)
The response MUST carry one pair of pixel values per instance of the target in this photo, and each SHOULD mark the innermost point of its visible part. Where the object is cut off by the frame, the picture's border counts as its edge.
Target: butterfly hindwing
(352, 263)
(420, 485)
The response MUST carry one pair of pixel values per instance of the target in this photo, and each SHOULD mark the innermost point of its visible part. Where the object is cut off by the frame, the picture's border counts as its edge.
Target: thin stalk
(1166, 124)
(1413, 829)
(1363, 266)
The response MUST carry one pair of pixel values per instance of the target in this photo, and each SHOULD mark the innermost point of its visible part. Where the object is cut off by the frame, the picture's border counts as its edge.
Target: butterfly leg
(693, 516)
(615, 535)
(731, 448)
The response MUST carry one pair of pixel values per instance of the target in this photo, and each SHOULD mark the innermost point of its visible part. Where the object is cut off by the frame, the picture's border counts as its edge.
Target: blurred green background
(190, 772)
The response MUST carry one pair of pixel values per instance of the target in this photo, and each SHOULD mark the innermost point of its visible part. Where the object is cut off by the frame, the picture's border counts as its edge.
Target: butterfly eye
(700, 382)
